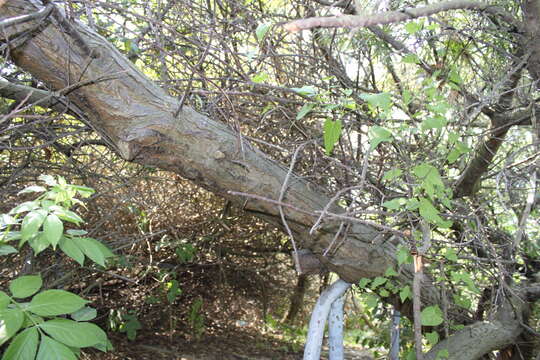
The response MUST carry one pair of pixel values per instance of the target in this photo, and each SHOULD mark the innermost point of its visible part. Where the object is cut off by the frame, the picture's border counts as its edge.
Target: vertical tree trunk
(296, 299)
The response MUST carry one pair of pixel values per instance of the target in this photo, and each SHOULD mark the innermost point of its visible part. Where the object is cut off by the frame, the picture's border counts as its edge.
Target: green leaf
(394, 204)
(428, 211)
(130, 326)
(412, 204)
(379, 280)
(77, 232)
(7, 249)
(24, 207)
(53, 228)
(84, 191)
(455, 77)
(55, 302)
(95, 250)
(453, 155)
(382, 100)
(378, 135)
(392, 174)
(429, 174)
(459, 149)
(439, 107)
(405, 293)
(104, 249)
(432, 338)
(11, 321)
(306, 109)
(173, 290)
(450, 254)
(431, 316)
(260, 78)
(306, 90)
(4, 300)
(466, 278)
(30, 319)
(50, 349)
(33, 188)
(442, 354)
(383, 293)
(85, 314)
(462, 301)
(431, 214)
(69, 248)
(390, 272)
(372, 301)
(25, 286)
(38, 243)
(31, 223)
(23, 346)
(72, 333)
(403, 256)
(332, 133)
(261, 31)
(66, 215)
(435, 122)
(6, 219)
(410, 355)
(413, 27)
(410, 59)
(363, 282)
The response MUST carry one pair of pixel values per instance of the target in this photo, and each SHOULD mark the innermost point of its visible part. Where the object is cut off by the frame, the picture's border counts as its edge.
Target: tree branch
(33, 96)
(389, 17)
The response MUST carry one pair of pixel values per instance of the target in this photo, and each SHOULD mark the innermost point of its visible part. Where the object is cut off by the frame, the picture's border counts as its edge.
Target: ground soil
(232, 345)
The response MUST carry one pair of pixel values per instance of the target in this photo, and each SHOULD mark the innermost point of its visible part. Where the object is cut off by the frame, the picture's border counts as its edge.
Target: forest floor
(231, 346)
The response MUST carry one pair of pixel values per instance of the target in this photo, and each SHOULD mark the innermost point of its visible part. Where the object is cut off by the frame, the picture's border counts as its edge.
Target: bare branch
(389, 17)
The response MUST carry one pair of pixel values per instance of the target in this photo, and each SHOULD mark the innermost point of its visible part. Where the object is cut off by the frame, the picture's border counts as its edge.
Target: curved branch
(389, 17)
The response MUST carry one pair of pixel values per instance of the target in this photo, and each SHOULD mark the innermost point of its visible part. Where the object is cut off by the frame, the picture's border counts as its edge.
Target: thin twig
(284, 188)
(317, 213)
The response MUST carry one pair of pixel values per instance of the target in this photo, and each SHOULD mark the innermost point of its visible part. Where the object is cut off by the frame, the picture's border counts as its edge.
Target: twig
(316, 213)
(324, 212)
(282, 213)
(190, 81)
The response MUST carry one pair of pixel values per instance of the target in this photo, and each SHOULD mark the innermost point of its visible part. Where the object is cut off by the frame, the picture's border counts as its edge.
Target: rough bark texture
(138, 119)
(482, 337)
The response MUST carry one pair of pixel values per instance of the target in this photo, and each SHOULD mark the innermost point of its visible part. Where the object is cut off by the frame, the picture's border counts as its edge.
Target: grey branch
(389, 17)
(33, 96)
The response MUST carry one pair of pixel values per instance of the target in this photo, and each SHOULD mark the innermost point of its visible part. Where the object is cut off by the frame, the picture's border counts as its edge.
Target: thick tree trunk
(138, 120)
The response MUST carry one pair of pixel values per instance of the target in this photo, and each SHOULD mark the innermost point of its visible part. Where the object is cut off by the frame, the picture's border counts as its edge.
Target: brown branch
(389, 17)
(466, 185)
(500, 124)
